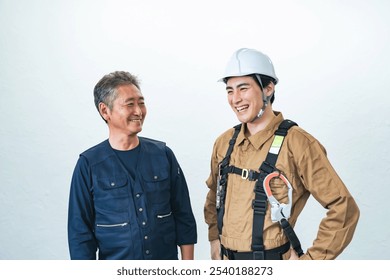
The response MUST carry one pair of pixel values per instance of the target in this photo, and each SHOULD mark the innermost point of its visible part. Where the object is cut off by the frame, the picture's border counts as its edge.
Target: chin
(243, 119)
(136, 131)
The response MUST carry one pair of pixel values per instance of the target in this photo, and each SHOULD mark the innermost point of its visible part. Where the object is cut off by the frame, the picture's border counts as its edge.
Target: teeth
(241, 108)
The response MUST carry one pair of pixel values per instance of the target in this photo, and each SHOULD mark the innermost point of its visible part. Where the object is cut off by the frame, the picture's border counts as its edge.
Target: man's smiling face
(244, 97)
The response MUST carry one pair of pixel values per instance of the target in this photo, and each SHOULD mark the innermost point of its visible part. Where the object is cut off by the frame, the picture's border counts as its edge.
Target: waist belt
(272, 254)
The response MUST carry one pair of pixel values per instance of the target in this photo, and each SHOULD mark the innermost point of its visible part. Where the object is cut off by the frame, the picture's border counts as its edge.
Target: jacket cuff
(213, 232)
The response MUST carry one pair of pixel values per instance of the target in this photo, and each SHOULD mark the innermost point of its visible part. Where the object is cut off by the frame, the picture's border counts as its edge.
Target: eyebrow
(132, 99)
(239, 85)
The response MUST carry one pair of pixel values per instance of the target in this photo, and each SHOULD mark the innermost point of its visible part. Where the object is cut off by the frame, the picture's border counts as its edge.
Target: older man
(128, 198)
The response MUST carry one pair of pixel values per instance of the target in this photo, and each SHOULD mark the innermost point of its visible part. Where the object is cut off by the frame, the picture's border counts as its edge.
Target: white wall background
(332, 59)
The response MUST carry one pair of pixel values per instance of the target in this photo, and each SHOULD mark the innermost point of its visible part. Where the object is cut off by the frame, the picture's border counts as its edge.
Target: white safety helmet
(245, 62)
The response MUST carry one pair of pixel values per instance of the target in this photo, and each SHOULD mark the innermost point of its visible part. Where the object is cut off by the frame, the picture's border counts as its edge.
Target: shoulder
(155, 147)
(299, 138)
(227, 135)
(149, 143)
(97, 148)
(98, 152)
(300, 134)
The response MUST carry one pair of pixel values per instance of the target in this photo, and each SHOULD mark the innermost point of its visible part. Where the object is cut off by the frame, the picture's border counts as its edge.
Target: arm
(215, 249)
(187, 252)
(82, 243)
(337, 228)
(186, 231)
(210, 213)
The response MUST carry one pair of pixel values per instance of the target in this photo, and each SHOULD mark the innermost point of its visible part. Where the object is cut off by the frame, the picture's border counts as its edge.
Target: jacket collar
(262, 136)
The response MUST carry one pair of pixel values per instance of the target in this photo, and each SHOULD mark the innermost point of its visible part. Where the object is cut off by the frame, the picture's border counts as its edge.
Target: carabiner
(279, 211)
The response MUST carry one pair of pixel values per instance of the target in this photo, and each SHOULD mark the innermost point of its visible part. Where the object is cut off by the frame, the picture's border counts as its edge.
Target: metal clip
(219, 188)
(244, 174)
(279, 210)
(218, 196)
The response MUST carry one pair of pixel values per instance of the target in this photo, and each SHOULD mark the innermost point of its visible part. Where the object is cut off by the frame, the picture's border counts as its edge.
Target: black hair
(265, 80)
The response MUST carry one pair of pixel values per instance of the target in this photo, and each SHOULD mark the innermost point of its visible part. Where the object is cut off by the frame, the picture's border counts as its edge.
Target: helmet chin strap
(261, 112)
(265, 100)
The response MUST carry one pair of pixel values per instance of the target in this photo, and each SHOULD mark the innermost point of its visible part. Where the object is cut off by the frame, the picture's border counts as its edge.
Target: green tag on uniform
(278, 140)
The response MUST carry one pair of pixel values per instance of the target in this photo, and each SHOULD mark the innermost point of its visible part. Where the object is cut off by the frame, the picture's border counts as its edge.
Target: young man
(128, 198)
(259, 183)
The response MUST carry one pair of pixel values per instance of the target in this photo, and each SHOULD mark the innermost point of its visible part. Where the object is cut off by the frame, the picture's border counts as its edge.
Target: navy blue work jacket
(114, 216)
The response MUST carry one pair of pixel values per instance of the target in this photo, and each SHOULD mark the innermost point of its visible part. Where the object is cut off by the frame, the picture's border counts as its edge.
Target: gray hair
(105, 89)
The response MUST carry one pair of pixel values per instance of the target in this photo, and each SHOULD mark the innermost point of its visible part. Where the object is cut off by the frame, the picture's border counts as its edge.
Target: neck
(123, 143)
(261, 123)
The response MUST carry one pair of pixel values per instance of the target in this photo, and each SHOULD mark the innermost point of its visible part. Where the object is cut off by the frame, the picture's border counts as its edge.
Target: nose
(236, 96)
(138, 111)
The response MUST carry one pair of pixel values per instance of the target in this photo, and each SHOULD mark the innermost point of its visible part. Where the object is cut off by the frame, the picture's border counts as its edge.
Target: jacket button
(143, 223)
(137, 195)
(140, 209)
(155, 177)
(147, 252)
(146, 237)
(112, 184)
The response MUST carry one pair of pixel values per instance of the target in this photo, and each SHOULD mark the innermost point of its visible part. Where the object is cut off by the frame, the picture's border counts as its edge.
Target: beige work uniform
(303, 161)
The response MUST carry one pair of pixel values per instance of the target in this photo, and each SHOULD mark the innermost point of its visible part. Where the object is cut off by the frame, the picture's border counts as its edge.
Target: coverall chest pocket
(112, 193)
(279, 189)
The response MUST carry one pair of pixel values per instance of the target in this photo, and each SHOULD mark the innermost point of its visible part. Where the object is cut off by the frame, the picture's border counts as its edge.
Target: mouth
(135, 120)
(242, 108)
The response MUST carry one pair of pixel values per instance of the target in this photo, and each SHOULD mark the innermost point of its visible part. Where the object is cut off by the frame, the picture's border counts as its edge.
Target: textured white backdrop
(331, 57)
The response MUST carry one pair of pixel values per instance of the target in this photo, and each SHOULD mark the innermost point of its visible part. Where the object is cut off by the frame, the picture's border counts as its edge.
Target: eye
(230, 92)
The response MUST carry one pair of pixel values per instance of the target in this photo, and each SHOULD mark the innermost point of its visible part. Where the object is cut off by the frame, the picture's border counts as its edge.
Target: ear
(104, 111)
(270, 89)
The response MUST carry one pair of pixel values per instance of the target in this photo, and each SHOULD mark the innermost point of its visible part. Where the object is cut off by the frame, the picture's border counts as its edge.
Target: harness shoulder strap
(268, 165)
(222, 180)
(259, 204)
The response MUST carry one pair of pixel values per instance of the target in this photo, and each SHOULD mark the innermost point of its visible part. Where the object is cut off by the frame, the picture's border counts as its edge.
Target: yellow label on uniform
(278, 140)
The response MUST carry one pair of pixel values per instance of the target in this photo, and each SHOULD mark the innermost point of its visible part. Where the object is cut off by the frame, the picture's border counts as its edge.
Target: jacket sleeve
(81, 240)
(210, 212)
(321, 180)
(186, 231)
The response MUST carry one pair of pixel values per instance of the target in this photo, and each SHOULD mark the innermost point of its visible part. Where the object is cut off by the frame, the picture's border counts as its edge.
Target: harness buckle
(245, 174)
(258, 255)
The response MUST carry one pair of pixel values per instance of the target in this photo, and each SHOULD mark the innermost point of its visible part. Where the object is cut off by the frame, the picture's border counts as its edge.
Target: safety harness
(280, 212)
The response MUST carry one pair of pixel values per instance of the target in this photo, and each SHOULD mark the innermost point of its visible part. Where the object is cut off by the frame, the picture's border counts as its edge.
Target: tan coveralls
(303, 161)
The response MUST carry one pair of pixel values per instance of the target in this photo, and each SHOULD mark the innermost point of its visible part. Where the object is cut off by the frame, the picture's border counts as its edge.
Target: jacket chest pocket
(157, 185)
(112, 193)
